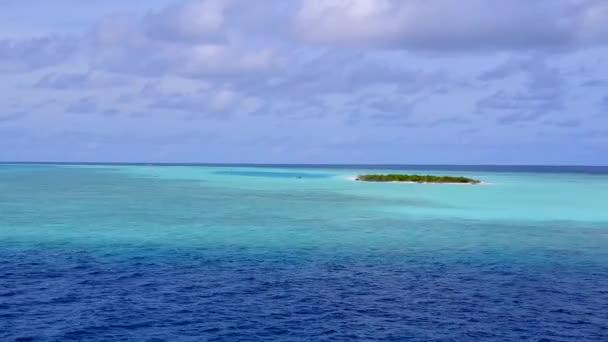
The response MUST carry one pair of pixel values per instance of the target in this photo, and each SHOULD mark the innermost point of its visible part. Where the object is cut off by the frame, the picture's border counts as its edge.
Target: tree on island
(416, 179)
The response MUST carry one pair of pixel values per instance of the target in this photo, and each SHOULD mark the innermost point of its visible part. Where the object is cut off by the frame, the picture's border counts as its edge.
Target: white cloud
(189, 39)
(207, 101)
(194, 20)
(347, 20)
(35, 53)
(217, 60)
(449, 24)
(223, 100)
(593, 21)
(80, 81)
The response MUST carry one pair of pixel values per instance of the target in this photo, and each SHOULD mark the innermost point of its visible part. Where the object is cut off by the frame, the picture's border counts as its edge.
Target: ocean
(114, 252)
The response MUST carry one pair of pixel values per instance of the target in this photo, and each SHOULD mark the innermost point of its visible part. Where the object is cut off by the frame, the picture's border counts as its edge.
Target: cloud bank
(311, 79)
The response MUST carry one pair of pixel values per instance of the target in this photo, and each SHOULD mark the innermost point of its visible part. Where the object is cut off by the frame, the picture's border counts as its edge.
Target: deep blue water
(189, 253)
(584, 169)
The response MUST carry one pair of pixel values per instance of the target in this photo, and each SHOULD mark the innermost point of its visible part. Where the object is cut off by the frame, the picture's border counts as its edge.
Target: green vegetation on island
(416, 179)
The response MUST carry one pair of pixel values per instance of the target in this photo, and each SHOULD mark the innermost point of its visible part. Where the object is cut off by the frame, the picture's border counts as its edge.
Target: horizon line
(279, 164)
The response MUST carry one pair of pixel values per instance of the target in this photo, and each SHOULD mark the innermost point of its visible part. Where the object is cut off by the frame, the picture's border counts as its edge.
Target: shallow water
(191, 253)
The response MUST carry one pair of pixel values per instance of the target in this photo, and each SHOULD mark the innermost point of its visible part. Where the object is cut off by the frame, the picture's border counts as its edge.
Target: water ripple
(62, 297)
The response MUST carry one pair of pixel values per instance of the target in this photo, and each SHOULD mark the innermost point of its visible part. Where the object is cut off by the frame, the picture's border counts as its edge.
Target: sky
(305, 81)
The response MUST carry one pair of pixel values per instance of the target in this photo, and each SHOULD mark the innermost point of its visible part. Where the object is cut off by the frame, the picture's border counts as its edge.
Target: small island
(416, 179)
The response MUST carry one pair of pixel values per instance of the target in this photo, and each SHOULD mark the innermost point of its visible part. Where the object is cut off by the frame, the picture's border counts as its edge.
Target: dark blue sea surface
(582, 169)
(185, 253)
(74, 295)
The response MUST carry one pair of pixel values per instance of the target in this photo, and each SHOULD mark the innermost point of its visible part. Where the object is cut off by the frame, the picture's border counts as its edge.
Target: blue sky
(310, 81)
